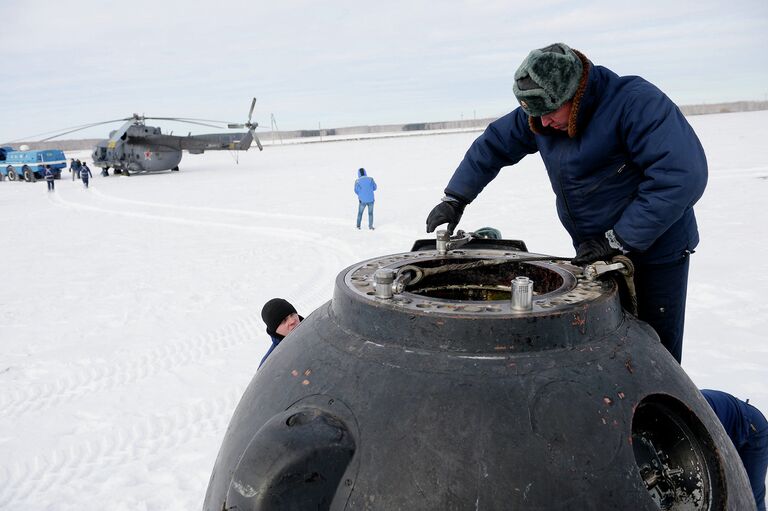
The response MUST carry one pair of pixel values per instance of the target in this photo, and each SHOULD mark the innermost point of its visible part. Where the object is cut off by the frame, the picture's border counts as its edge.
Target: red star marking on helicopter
(148, 155)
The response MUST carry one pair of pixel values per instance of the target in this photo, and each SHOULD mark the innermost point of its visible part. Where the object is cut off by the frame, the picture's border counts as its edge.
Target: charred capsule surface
(440, 393)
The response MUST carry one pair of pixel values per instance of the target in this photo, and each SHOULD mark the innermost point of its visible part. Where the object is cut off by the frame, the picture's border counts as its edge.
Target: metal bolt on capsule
(522, 294)
(383, 278)
(442, 241)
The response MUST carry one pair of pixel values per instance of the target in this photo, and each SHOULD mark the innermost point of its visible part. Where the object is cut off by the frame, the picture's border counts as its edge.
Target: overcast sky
(342, 63)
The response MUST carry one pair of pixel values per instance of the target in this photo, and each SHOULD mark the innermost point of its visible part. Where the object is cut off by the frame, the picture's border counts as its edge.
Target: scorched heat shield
(435, 390)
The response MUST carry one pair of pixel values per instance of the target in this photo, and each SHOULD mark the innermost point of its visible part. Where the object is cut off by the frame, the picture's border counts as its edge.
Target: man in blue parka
(625, 166)
(748, 430)
(364, 188)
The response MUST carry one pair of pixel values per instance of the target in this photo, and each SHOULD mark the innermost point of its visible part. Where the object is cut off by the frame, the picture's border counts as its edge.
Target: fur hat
(547, 78)
(274, 312)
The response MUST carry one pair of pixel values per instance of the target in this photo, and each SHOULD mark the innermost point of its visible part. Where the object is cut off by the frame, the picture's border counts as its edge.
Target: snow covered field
(129, 312)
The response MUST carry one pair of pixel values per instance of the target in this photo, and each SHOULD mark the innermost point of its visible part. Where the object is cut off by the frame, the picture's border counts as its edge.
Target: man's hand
(448, 211)
(594, 250)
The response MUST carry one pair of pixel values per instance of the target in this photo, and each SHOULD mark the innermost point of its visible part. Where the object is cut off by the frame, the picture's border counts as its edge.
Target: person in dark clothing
(85, 174)
(74, 167)
(281, 319)
(49, 178)
(364, 188)
(748, 430)
(625, 166)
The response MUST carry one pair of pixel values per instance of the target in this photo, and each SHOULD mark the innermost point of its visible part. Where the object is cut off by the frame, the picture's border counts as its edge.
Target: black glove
(594, 250)
(448, 211)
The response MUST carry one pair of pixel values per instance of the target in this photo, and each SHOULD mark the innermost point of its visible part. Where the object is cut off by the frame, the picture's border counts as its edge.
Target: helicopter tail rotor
(246, 142)
(248, 124)
(250, 112)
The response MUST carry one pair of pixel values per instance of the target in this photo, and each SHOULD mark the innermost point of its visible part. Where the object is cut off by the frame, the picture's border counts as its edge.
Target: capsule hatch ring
(676, 457)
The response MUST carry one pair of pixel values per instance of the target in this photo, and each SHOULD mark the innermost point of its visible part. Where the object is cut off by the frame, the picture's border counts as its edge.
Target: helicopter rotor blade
(66, 131)
(128, 121)
(247, 124)
(190, 121)
(185, 119)
(253, 125)
(121, 131)
(250, 112)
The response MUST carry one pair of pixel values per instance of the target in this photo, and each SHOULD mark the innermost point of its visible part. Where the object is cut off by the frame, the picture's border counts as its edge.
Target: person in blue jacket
(625, 166)
(74, 168)
(748, 430)
(281, 319)
(364, 188)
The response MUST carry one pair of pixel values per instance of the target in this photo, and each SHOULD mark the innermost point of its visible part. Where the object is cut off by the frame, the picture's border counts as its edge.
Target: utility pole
(273, 124)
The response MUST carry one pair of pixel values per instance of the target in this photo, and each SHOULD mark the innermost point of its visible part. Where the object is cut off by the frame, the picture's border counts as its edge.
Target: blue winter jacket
(629, 162)
(275, 342)
(364, 187)
(739, 419)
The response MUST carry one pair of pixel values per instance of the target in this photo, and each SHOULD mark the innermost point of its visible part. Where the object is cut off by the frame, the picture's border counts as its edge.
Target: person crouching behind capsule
(748, 430)
(281, 319)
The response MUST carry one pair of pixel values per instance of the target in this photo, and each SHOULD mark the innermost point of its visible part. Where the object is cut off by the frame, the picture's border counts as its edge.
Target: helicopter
(136, 147)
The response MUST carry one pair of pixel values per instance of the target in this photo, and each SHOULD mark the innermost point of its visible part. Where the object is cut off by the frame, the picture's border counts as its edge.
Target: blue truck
(30, 165)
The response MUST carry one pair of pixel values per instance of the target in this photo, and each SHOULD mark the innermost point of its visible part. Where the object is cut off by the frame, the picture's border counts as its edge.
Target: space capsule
(480, 377)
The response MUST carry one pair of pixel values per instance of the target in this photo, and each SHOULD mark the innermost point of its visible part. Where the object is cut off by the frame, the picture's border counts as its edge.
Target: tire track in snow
(298, 234)
(186, 352)
(84, 464)
(113, 375)
(332, 254)
(304, 235)
(226, 211)
(173, 355)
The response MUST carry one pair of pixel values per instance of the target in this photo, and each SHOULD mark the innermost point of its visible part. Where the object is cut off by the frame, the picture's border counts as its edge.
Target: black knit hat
(274, 312)
(547, 78)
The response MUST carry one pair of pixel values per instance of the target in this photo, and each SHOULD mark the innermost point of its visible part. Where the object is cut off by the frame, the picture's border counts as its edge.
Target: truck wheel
(12, 175)
(175, 169)
(29, 176)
